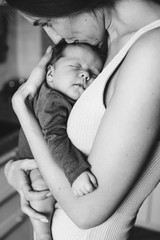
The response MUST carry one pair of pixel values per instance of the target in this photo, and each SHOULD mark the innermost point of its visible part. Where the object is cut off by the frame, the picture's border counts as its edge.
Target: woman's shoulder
(143, 57)
(139, 73)
(147, 45)
(140, 67)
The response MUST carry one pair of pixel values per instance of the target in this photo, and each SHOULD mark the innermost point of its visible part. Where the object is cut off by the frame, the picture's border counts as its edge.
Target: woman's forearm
(95, 208)
(75, 207)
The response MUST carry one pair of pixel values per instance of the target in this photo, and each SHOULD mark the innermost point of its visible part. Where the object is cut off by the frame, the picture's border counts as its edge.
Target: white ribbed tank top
(88, 111)
(83, 124)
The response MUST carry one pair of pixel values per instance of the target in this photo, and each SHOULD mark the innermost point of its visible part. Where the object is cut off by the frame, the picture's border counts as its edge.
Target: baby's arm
(52, 111)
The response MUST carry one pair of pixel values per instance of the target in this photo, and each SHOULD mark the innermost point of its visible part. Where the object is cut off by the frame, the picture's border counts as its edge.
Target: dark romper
(52, 109)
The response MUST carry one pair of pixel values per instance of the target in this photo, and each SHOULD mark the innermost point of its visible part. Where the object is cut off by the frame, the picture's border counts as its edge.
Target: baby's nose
(85, 76)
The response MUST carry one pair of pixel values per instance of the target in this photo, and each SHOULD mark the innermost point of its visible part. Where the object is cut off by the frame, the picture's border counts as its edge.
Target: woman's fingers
(37, 182)
(17, 176)
(28, 164)
(16, 172)
(13, 165)
(46, 58)
(7, 168)
(38, 74)
(25, 184)
(26, 208)
(28, 90)
(31, 195)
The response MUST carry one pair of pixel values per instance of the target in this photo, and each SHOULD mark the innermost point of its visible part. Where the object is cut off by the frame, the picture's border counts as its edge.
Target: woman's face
(88, 27)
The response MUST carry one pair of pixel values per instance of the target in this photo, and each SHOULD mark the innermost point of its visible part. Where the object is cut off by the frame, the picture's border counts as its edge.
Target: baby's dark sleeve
(52, 113)
(24, 150)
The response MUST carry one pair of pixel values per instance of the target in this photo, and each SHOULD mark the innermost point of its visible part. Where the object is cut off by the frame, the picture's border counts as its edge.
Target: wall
(8, 69)
(24, 42)
(28, 47)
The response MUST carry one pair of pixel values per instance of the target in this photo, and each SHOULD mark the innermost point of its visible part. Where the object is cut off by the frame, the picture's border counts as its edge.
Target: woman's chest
(88, 111)
(86, 115)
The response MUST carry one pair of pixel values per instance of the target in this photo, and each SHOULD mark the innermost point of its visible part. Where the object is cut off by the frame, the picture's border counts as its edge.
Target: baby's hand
(84, 184)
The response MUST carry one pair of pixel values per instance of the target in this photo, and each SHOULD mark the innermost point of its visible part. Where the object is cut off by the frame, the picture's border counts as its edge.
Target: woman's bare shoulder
(150, 42)
(142, 61)
(139, 73)
(148, 45)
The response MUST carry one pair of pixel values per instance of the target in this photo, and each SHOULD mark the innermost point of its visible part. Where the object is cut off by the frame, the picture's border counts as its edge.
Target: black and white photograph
(79, 120)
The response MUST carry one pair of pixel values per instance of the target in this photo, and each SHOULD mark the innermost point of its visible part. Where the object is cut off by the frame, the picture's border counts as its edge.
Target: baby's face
(76, 70)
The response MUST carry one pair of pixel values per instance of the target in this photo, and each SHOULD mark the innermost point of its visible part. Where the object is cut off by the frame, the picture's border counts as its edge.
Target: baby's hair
(59, 48)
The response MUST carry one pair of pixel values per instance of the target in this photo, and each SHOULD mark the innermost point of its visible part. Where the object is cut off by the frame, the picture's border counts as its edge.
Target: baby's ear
(50, 73)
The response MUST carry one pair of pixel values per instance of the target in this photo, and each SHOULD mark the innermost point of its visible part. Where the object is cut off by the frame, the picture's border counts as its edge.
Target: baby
(72, 69)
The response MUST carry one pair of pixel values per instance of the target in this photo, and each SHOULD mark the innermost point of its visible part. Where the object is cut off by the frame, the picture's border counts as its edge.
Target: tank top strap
(110, 68)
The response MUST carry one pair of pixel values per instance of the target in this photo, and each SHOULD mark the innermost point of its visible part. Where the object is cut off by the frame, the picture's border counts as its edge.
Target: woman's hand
(29, 89)
(26, 208)
(17, 175)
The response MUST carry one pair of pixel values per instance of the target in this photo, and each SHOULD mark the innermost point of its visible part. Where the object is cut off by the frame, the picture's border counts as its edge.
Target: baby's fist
(84, 184)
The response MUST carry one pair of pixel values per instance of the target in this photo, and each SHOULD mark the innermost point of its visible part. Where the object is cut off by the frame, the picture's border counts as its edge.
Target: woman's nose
(69, 40)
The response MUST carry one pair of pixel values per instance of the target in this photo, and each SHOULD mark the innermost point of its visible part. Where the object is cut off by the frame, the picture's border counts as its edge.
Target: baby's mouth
(81, 85)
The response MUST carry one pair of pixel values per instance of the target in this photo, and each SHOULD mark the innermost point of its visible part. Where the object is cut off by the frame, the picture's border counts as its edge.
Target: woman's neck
(129, 16)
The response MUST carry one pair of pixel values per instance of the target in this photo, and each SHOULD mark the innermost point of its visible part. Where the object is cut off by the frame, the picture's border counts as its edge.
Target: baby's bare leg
(46, 206)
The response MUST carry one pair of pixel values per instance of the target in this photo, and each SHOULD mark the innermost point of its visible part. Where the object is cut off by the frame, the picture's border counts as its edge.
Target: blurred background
(21, 46)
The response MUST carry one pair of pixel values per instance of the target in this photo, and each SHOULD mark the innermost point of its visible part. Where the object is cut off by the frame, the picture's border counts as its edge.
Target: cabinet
(14, 225)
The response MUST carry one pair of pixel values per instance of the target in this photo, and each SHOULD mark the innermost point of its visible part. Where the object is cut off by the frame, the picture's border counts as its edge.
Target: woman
(121, 110)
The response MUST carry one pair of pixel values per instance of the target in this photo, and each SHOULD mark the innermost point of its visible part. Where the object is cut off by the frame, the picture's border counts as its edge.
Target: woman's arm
(16, 171)
(125, 138)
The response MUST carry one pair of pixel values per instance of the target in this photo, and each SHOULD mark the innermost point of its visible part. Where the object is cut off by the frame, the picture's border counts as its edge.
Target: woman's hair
(57, 8)
(60, 8)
